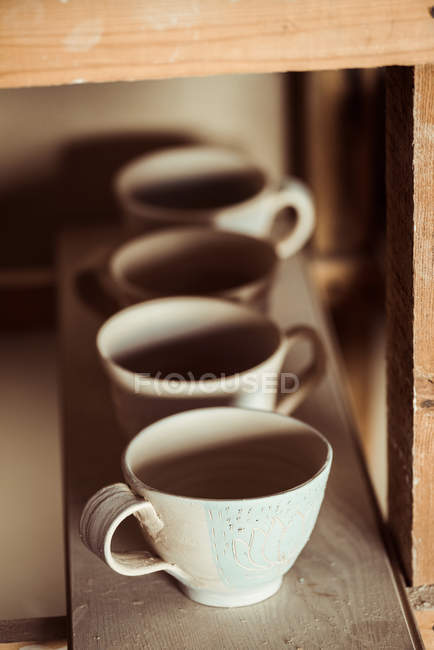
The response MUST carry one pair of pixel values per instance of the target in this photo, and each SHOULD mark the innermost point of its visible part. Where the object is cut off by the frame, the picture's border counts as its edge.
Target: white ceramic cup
(213, 186)
(175, 354)
(194, 260)
(226, 498)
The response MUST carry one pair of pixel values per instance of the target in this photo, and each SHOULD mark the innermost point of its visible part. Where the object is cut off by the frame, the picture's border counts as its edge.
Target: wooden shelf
(342, 592)
(59, 42)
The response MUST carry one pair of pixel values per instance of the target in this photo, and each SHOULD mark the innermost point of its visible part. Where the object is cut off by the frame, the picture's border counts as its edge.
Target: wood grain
(45, 42)
(340, 594)
(410, 189)
(399, 304)
(423, 326)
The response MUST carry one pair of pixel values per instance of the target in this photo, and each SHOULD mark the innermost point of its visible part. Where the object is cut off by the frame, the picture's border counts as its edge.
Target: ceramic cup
(175, 354)
(212, 186)
(226, 498)
(194, 260)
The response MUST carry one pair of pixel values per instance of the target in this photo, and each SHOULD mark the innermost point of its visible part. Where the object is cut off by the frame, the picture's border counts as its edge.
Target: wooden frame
(50, 42)
(410, 302)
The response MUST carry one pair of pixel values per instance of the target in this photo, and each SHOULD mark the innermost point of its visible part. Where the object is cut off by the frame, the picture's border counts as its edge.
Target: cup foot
(232, 599)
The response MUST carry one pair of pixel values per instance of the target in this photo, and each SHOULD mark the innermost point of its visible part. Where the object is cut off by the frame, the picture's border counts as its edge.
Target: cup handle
(309, 377)
(294, 194)
(101, 516)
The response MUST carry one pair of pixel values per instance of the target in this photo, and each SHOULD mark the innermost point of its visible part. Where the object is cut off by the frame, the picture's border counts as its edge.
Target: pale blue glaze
(254, 541)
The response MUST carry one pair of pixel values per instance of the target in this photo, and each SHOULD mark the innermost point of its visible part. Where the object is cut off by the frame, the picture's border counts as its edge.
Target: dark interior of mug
(196, 178)
(239, 454)
(191, 261)
(188, 338)
(205, 191)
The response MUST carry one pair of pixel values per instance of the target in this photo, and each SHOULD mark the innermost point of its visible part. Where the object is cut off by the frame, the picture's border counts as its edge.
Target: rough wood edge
(421, 597)
(399, 306)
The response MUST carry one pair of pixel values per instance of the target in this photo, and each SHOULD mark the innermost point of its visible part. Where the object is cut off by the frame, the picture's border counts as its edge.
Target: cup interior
(225, 453)
(191, 178)
(189, 261)
(188, 338)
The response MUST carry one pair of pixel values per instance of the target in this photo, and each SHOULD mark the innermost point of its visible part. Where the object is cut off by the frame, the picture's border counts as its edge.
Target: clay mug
(175, 354)
(194, 260)
(212, 186)
(226, 499)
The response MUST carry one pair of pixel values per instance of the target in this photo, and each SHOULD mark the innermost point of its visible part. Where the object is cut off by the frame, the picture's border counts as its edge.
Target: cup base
(232, 599)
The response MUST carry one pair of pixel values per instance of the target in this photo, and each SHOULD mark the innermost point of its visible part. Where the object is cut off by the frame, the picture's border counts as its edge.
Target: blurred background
(60, 149)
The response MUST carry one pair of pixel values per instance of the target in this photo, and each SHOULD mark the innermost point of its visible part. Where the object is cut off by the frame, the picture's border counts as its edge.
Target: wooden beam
(410, 189)
(44, 42)
(423, 327)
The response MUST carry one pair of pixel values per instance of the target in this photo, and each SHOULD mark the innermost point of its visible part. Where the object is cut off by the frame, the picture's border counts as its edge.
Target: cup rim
(190, 388)
(123, 188)
(118, 277)
(136, 484)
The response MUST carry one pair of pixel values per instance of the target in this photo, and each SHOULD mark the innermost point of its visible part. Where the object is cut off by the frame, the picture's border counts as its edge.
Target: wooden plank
(423, 326)
(399, 130)
(341, 593)
(33, 629)
(45, 42)
(410, 275)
